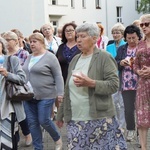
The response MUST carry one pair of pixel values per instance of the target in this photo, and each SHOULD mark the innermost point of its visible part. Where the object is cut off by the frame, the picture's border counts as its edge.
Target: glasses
(8, 40)
(116, 32)
(146, 24)
(45, 29)
(69, 31)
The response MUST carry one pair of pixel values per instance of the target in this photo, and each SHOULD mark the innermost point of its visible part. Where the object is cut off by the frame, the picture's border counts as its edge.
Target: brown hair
(18, 33)
(101, 29)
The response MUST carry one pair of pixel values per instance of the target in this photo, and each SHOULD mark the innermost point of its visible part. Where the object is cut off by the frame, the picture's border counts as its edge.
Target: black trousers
(129, 106)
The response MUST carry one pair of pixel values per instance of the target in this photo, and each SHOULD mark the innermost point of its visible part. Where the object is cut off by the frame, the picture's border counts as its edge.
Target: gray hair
(118, 27)
(91, 28)
(47, 24)
(3, 42)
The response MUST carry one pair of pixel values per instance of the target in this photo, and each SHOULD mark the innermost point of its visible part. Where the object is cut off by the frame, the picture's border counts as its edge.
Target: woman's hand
(144, 72)
(60, 124)
(3, 72)
(60, 99)
(124, 62)
(83, 80)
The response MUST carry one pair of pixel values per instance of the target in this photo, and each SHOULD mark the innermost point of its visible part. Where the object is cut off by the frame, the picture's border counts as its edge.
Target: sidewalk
(49, 144)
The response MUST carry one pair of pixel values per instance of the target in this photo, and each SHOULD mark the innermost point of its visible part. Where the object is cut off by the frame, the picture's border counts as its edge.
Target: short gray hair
(118, 27)
(91, 28)
(3, 42)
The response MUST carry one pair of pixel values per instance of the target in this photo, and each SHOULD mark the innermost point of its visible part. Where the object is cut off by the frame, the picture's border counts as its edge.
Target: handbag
(17, 92)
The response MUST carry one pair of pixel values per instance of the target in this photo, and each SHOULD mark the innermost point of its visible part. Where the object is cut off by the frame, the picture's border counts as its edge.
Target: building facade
(27, 15)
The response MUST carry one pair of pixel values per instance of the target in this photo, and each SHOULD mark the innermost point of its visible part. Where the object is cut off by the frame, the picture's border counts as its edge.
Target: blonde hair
(11, 35)
(136, 22)
(118, 27)
(39, 37)
(145, 16)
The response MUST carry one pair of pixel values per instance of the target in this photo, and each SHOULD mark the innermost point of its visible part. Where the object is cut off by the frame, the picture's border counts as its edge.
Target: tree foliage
(144, 6)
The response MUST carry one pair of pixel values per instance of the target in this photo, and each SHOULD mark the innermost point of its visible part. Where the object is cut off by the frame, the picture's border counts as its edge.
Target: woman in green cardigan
(87, 107)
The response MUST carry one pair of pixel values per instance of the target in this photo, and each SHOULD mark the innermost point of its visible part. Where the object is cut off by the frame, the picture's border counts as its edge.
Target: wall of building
(28, 15)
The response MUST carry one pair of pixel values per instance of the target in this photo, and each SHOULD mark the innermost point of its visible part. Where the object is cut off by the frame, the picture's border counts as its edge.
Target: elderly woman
(88, 107)
(15, 50)
(52, 42)
(42, 66)
(142, 68)
(9, 111)
(117, 33)
(128, 79)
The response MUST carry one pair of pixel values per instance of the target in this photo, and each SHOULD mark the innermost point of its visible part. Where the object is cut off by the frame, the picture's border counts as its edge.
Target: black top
(65, 55)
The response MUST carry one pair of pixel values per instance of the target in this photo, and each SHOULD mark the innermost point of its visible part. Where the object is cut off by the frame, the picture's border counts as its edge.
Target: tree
(143, 6)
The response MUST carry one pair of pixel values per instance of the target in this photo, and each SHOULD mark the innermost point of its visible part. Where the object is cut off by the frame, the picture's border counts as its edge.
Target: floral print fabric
(129, 80)
(101, 134)
(143, 89)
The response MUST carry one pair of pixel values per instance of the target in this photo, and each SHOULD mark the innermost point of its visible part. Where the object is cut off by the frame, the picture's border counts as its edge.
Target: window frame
(55, 2)
(137, 3)
(119, 12)
(98, 4)
(72, 4)
(83, 3)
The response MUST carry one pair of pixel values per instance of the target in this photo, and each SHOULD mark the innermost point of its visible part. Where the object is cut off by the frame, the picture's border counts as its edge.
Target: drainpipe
(106, 18)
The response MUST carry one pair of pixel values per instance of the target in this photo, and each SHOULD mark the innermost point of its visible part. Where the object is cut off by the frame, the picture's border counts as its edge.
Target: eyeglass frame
(146, 24)
(9, 40)
(69, 31)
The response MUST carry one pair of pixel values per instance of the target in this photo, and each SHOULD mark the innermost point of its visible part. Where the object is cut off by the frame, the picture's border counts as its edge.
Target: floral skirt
(101, 134)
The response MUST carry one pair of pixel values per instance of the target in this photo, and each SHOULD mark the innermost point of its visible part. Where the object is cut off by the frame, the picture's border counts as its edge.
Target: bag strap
(9, 64)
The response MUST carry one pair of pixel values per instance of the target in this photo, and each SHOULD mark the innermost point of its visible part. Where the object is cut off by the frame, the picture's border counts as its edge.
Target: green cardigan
(102, 69)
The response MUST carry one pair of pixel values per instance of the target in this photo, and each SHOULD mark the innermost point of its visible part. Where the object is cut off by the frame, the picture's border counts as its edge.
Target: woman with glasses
(14, 49)
(117, 33)
(10, 112)
(52, 42)
(142, 68)
(68, 49)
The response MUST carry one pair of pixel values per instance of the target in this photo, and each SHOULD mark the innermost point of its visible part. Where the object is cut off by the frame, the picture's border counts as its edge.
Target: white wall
(25, 15)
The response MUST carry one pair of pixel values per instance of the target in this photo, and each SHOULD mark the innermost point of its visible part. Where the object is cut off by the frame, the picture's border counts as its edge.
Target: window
(54, 2)
(119, 18)
(55, 25)
(137, 2)
(72, 4)
(83, 3)
(97, 4)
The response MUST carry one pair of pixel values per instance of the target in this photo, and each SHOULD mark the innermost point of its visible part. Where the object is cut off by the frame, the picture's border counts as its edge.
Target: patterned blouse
(129, 78)
(22, 55)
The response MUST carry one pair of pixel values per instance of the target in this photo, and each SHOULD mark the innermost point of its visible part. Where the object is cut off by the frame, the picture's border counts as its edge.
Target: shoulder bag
(16, 92)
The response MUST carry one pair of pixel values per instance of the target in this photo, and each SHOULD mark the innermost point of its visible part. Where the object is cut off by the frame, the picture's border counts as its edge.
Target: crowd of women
(96, 85)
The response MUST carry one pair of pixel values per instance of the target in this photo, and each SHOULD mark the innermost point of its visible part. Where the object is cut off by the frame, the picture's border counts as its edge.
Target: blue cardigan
(112, 48)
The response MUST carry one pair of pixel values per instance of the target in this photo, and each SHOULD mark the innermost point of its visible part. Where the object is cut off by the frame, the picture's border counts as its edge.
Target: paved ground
(49, 144)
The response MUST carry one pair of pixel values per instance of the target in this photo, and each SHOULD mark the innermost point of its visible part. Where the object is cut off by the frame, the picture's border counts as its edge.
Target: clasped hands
(144, 72)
